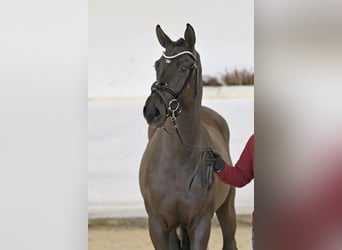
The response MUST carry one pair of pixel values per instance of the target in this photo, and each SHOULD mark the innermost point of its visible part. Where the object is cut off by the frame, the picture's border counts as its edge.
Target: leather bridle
(172, 107)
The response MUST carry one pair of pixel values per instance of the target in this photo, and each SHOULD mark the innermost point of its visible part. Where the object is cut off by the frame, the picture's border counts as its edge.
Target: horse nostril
(154, 113)
(151, 113)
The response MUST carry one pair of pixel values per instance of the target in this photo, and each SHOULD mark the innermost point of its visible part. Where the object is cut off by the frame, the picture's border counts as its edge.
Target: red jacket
(243, 172)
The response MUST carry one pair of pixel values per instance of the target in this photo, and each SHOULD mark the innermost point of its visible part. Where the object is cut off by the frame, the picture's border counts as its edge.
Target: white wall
(123, 45)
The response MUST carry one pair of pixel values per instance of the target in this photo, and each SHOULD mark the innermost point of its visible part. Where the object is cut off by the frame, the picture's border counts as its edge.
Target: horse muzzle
(154, 111)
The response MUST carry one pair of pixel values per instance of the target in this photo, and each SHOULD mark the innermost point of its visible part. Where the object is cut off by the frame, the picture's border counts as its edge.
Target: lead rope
(209, 172)
(173, 111)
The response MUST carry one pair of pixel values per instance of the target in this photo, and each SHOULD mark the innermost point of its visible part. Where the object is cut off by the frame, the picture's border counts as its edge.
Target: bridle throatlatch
(173, 110)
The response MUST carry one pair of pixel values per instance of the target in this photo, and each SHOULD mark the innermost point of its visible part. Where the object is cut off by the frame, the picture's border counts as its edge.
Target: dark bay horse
(181, 194)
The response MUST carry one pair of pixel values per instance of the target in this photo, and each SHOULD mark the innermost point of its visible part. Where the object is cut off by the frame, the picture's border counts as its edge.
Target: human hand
(215, 160)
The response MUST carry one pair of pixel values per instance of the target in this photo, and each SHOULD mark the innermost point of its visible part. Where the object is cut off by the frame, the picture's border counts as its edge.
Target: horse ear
(189, 35)
(163, 39)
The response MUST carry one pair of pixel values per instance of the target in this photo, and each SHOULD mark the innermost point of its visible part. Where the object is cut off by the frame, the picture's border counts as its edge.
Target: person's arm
(242, 173)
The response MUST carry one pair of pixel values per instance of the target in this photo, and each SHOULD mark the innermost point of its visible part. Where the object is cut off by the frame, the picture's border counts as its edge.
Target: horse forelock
(180, 42)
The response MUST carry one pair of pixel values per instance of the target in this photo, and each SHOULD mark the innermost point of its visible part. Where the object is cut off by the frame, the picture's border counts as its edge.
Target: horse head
(178, 82)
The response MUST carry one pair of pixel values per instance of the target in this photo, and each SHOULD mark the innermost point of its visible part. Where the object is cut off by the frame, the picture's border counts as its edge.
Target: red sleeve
(243, 172)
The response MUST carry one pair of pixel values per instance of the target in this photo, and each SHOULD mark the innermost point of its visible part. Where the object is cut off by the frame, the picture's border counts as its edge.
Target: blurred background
(122, 50)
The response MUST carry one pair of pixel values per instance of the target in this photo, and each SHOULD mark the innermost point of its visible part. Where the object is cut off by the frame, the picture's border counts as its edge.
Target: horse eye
(184, 68)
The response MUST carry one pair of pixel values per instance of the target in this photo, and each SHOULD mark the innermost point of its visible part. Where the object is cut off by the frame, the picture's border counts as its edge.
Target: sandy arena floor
(132, 233)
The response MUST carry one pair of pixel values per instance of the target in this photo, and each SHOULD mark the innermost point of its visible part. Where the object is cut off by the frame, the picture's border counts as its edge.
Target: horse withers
(181, 194)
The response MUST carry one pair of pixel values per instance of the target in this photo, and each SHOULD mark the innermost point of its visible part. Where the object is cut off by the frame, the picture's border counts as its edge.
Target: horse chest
(172, 197)
(171, 183)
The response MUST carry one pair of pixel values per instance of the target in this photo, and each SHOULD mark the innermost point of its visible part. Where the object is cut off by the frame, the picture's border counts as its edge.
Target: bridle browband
(179, 54)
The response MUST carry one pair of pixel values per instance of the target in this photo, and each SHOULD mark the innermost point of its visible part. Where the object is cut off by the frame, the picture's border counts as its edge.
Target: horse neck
(188, 125)
(189, 120)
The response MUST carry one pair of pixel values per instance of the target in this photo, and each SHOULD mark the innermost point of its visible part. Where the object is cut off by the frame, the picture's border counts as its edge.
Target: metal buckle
(171, 103)
(174, 107)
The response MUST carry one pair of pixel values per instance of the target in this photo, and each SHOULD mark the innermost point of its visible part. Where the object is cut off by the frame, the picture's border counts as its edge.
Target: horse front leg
(199, 233)
(161, 237)
(158, 233)
(174, 241)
